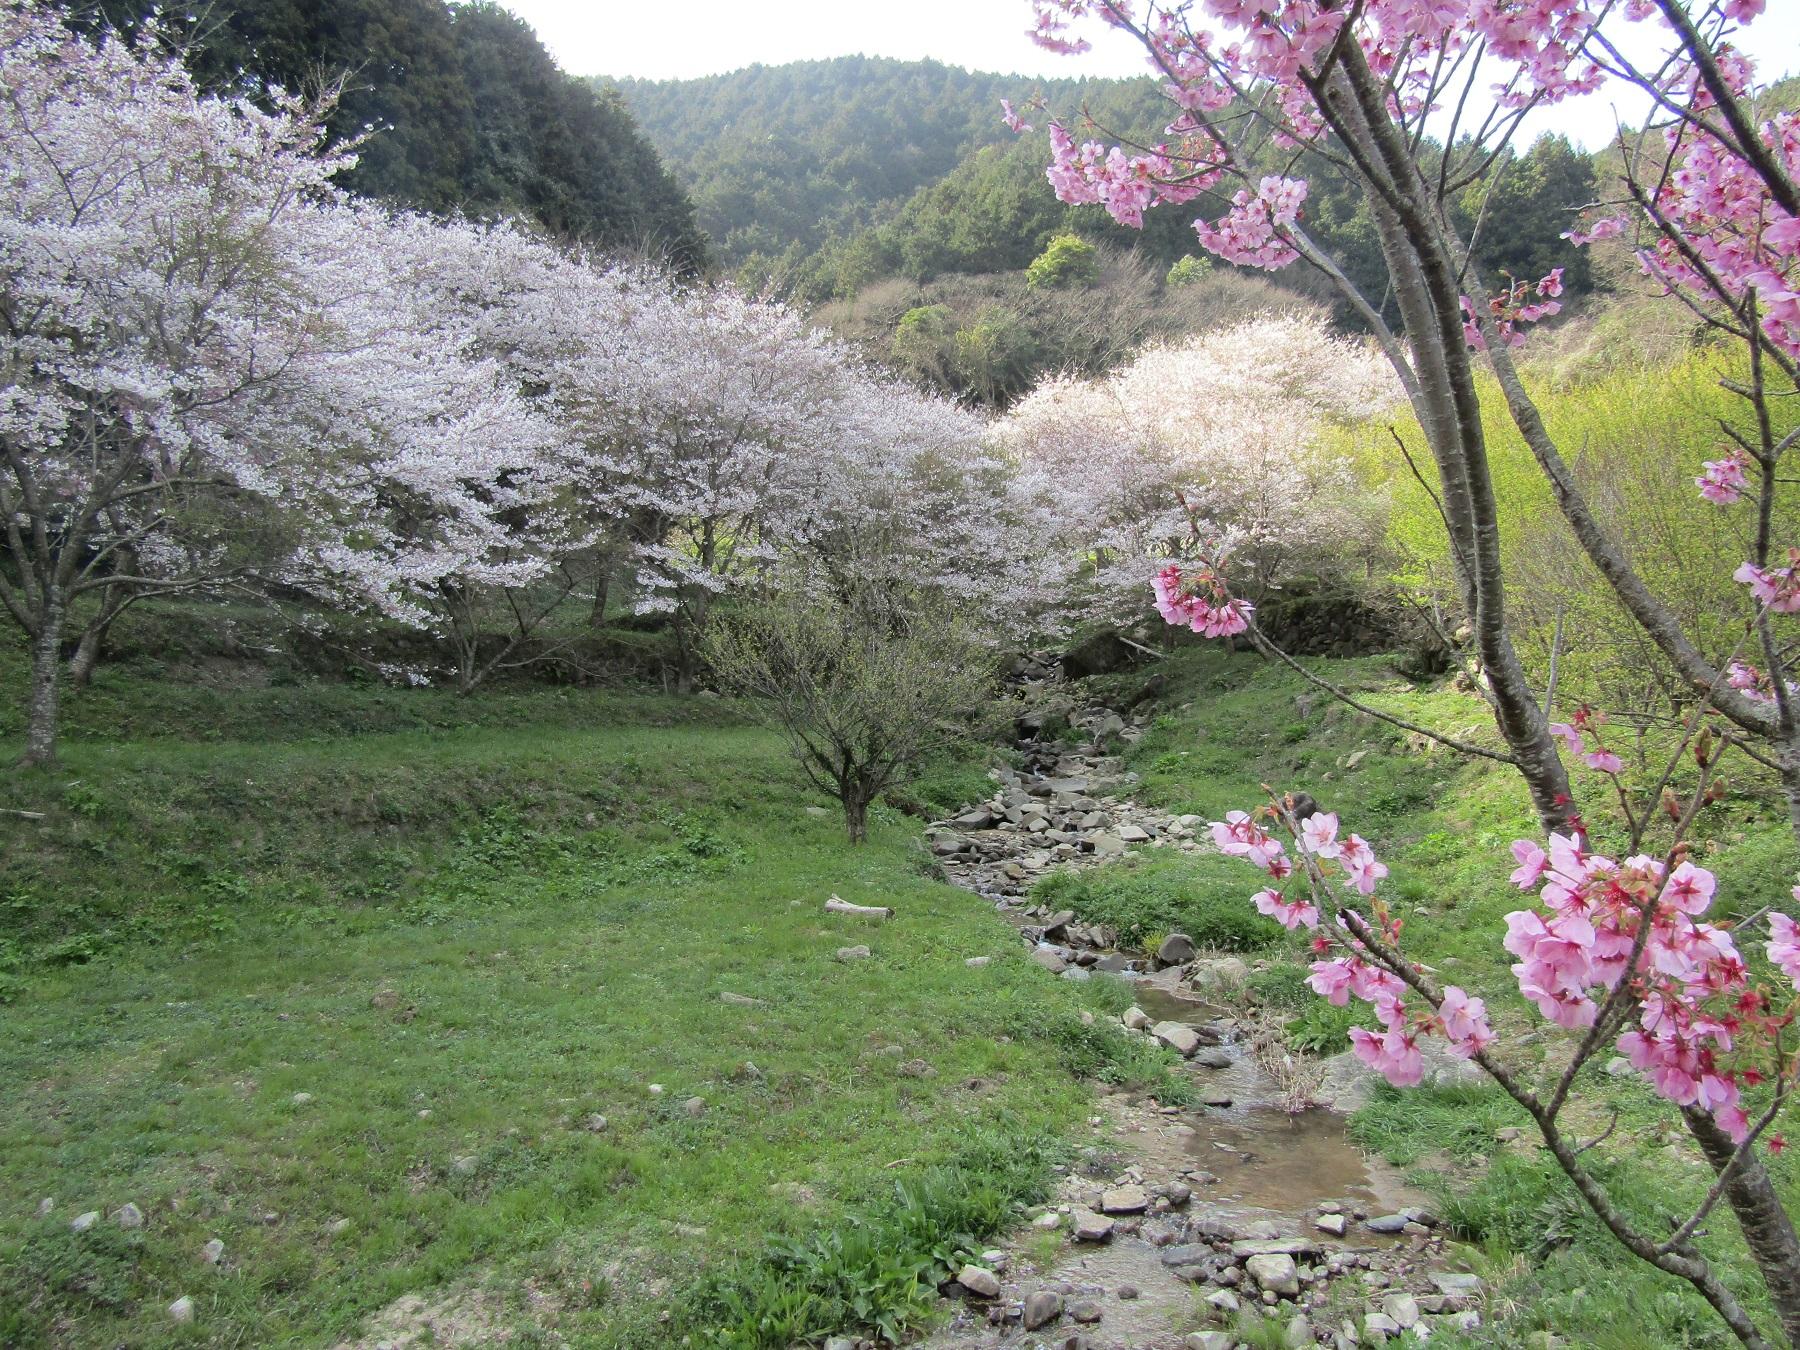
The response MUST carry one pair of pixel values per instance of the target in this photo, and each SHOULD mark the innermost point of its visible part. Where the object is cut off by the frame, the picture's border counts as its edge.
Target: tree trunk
(87, 656)
(602, 589)
(1768, 1231)
(856, 816)
(46, 675)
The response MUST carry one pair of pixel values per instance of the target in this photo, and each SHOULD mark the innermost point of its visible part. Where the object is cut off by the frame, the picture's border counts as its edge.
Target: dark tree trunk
(1768, 1231)
(856, 815)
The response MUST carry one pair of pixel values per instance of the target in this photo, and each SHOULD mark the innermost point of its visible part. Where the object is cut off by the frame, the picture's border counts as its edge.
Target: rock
(977, 962)
(1137, 834)
(656, 1089)
(1212, 1058)
(1245, 1248)
(1209, 1340)
(979, 1281)
(129, 1215)
(1087, 1312)
(1223, 1300)
(1274, 1272)
(1125, 1200)
(182, 1310)
(301, 1098)
(817, 812)
(1618, 1067)
(1042, 1307)
(385, 1000)
(1049, 960)
(695, 1107)
(1299, 1332)
(1386, 1223)
(45, 1205)
(857, 953)
(916, 1068)
(1092, 1227)
(1223, 972)
(740, 1000)
(1186, 1254)
(1456, 1285)
(337, 1226)
(1077, 973)
(841, 1343)
(1126, 1292)
(1380, 1326)
(213, 1252)
(1403, 1308)
(1135, 1018)
(1179, 1038)
(465, 1165)
(1049, 1220)
(1175, 950)
(1054, 925)
(1509, 1134)
(1335, 1224)
(595, 1124)
(82, 1222)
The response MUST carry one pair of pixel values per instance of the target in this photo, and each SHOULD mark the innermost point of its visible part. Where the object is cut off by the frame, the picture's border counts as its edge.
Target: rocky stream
(1254, 1204)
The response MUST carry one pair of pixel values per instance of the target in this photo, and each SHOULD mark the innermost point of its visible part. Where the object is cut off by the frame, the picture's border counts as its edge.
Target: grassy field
(465, 927)
(462, 929)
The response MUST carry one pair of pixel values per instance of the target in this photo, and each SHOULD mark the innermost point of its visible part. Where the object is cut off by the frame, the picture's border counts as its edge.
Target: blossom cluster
(1776, 587)
(1519, 304)
(1198, 600)
(1581, 734)
(1602, 923)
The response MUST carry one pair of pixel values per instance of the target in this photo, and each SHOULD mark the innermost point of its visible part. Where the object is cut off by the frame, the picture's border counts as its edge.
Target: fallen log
(835, 905)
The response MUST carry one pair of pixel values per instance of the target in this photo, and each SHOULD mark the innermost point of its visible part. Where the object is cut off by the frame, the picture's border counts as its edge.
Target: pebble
(182, 1310)
(213, 1252)
(695, 1107)
(596, 1123)
(1334, 1224)
(1087, 1312)
(1049, 1219)
(1275, 1273)
(1403, 1308)
(1127, 1292)
(1386, 1223)
(465, 1165)
(1125, 1200)
(82, 1222)
(338, 1226)
(129, 1216)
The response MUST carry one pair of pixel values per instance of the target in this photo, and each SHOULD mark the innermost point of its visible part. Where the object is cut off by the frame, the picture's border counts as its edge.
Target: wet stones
(1092, 1227)
(1041, 1308)
(1125, 1200)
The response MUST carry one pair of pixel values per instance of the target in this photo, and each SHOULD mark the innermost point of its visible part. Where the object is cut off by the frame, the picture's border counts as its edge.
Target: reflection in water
(1267, 1159)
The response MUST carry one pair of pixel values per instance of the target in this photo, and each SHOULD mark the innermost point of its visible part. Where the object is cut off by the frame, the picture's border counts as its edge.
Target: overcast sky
(707, 37)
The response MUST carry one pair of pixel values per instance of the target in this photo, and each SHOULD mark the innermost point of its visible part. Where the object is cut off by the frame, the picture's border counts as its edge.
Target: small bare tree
(865, 681)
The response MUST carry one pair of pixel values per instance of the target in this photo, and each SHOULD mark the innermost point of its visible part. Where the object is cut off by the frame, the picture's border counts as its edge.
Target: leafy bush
(1139, 897)
(1068, 260)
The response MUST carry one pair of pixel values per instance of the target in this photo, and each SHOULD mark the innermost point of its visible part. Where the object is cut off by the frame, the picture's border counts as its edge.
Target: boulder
(1176, 949)
(1275, 1272)
(1180, 1038)
(1092, 1227)
(1125, 1200)
(980, 1281)
(1042, 1307)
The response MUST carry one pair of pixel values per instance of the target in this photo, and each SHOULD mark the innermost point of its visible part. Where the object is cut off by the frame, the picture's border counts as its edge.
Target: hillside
(469, 113)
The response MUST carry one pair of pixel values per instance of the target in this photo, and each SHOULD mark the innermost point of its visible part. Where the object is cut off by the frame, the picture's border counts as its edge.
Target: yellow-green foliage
(1636, 437)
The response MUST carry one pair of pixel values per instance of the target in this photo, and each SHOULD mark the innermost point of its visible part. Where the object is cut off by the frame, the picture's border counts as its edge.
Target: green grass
(1228, 724)
(464, 940)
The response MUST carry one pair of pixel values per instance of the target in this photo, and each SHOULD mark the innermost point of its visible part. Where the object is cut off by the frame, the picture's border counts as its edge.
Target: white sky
(708, 37)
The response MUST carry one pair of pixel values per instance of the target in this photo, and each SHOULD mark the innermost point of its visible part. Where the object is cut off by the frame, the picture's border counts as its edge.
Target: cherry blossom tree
(1230, 419)
(154, 326)
(1713, 205)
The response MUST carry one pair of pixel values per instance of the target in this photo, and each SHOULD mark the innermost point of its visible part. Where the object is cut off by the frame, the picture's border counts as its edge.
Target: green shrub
(1067, 260)
(1141, 896)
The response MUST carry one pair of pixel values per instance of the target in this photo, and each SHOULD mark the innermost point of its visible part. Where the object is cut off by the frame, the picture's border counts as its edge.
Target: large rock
(979, 1280)
(1179, 1038)
(1041, 1308)
(1125, 1200)
(1092, 1227)
(1275, 1272)
(1175, 950)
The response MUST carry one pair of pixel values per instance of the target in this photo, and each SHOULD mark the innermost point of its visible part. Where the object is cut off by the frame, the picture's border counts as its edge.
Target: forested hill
(474, 114)
(794, 155)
